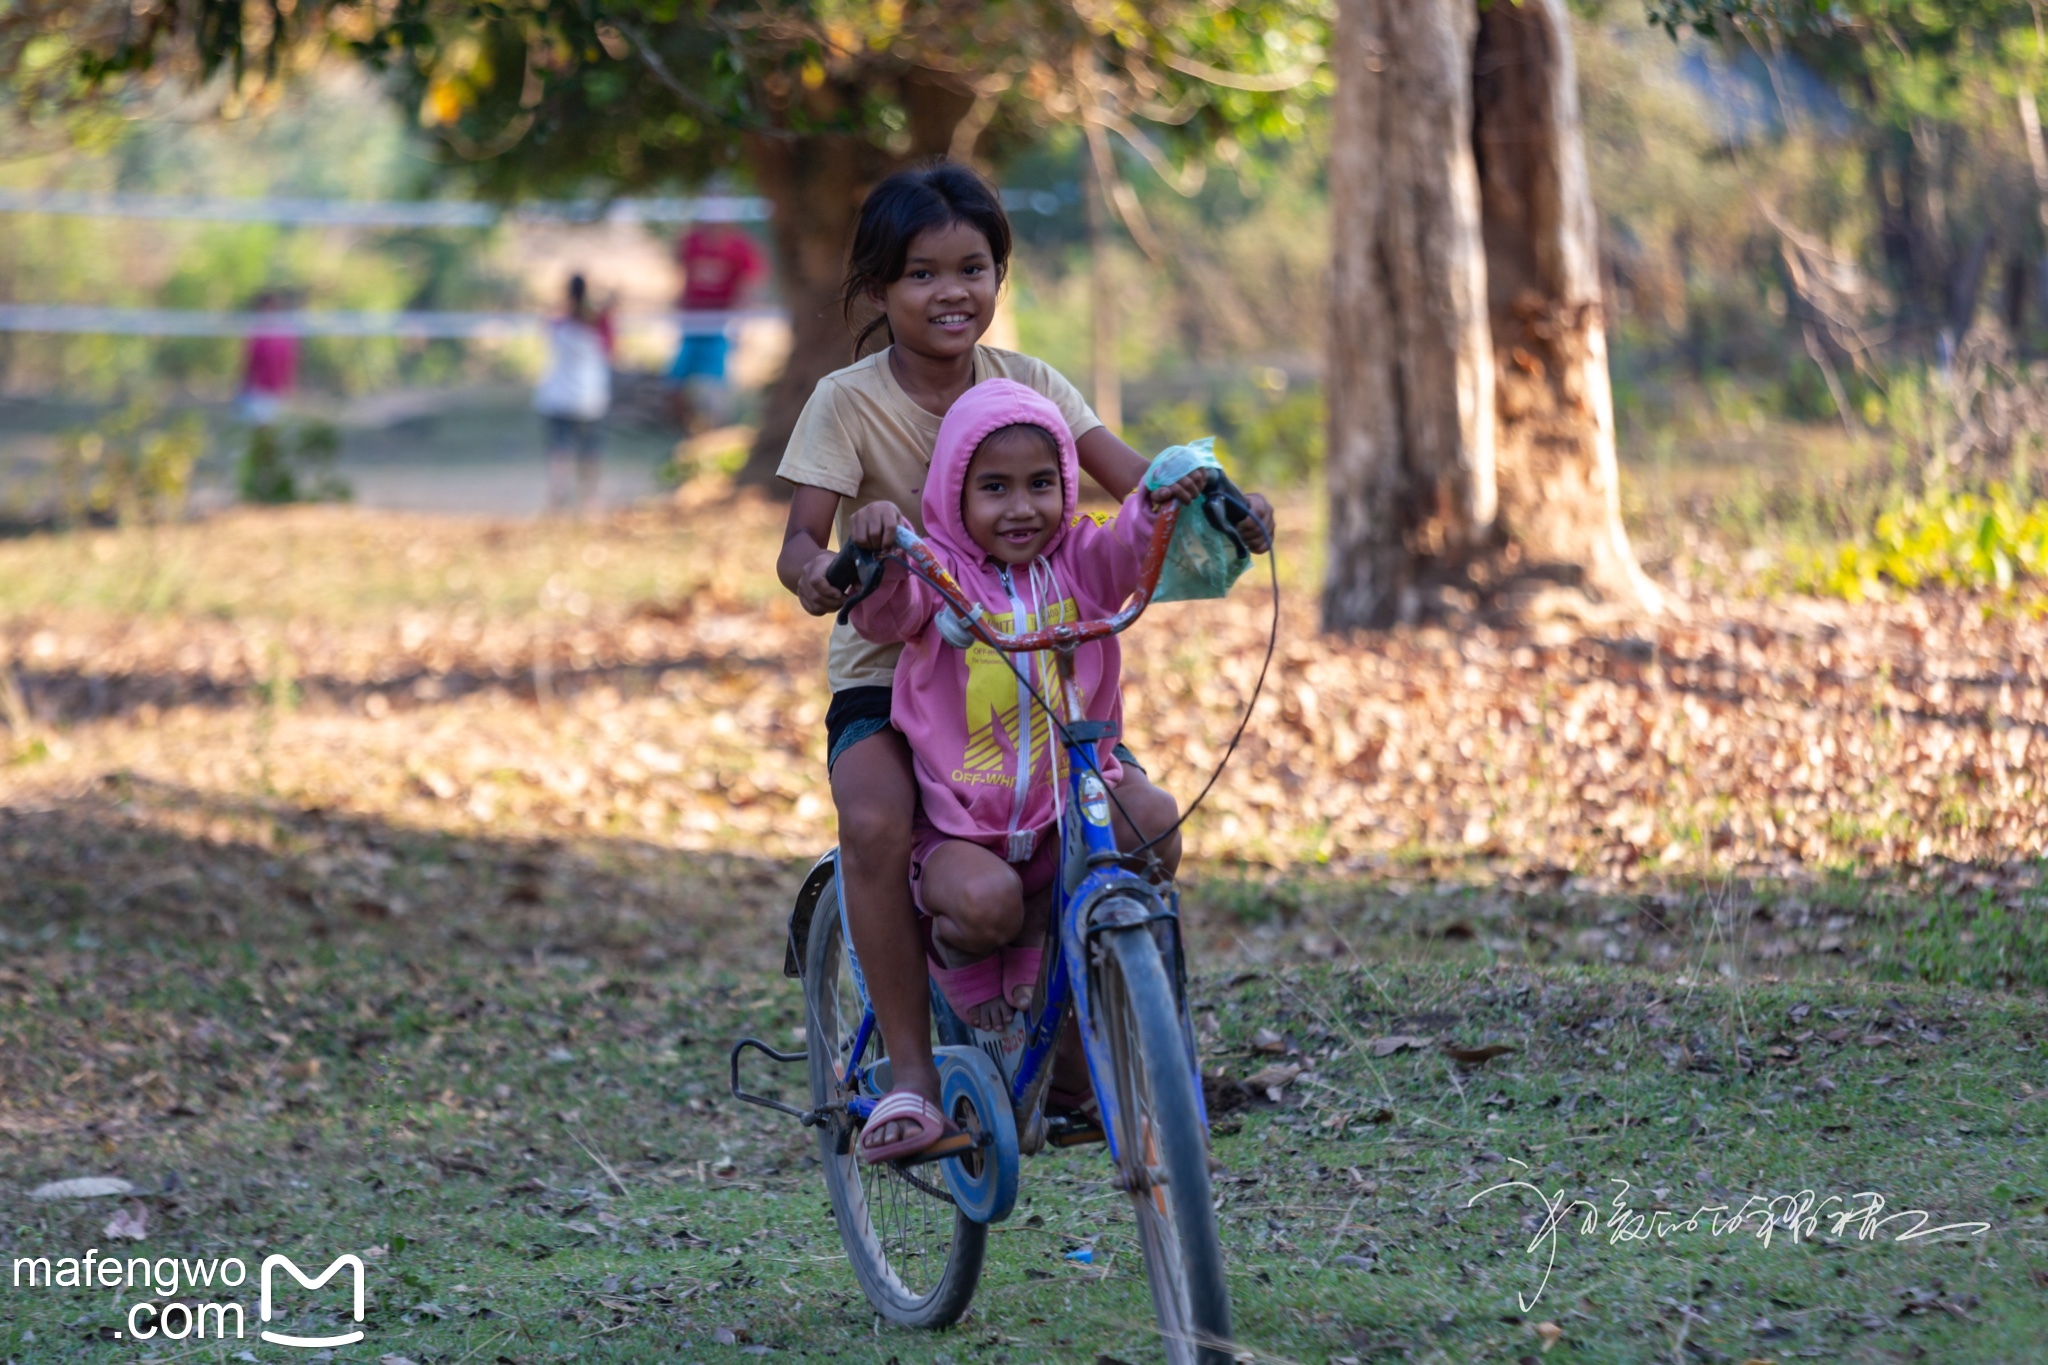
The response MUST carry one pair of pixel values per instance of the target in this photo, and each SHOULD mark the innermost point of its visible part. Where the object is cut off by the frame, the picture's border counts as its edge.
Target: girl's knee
(1147, 808)
(875, 829)
(997, 895)
(985, 903)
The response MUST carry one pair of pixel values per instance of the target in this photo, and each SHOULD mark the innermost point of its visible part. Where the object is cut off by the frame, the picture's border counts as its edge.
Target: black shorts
(854, 715)
(858, 712)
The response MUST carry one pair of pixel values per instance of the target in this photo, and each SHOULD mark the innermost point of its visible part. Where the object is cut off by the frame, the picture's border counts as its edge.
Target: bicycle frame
(1091, 864)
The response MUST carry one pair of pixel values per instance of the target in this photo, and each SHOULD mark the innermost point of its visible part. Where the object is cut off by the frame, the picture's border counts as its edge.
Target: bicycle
(1115, 963)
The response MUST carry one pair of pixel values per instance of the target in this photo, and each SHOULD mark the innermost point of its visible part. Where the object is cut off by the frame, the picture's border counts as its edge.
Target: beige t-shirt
(864, 438)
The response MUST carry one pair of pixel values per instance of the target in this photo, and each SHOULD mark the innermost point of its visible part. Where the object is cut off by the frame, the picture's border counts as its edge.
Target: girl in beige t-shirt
(929, 253)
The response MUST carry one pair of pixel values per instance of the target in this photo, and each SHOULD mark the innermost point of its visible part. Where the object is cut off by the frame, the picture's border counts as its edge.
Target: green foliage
(1911, 23)
(1976, 540)
(1988, 944)
(1266, 432)
(134, 466)
(1922, 118)
(291, 465)
(644, 91)
(331, 135)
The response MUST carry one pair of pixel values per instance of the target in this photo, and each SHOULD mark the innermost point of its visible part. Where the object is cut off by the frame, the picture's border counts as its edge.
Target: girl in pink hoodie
(999, 513)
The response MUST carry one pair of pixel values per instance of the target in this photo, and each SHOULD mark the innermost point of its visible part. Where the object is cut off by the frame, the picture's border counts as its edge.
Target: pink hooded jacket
(987, 761)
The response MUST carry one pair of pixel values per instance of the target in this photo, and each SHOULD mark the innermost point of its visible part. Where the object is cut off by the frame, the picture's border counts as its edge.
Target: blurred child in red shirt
(719, 263)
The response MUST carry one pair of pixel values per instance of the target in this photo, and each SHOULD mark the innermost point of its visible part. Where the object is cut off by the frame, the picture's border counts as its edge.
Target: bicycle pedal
(1069, 1134)
(943, 1148)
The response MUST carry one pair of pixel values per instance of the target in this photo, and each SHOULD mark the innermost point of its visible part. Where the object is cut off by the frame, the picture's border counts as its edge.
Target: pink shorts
(1037, 871)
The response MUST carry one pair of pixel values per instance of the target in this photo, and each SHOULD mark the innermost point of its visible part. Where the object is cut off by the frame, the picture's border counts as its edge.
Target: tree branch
(1216, 75)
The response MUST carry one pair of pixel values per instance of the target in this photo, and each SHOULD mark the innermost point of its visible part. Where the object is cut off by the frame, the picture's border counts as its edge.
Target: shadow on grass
(62, 695)
(495, 1066)
(131, 862)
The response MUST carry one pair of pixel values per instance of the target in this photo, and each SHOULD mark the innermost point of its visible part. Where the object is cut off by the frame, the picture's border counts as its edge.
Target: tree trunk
(1560, 496)
(1410, 376)
(1107, 376)
(814, 185)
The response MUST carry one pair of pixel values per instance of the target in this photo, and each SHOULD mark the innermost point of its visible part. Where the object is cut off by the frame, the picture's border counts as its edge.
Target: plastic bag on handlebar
(1201, 561)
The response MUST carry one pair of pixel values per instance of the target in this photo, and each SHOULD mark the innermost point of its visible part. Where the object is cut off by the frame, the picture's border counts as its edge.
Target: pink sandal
(1020, 972)
(966, 987)
(904, 1106)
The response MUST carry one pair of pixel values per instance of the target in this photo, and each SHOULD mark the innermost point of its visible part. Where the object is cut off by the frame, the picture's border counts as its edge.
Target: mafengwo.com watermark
(176, 1299)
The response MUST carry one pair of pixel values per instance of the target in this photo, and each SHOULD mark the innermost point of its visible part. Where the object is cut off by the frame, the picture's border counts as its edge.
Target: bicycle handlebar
(844, 574)
(855, 565)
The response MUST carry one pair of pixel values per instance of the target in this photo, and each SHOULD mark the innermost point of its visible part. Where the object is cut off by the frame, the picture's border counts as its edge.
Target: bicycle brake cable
(1258, 686)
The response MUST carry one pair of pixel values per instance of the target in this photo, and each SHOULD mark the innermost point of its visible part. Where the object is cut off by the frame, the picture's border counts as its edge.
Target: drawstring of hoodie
(1039, 661)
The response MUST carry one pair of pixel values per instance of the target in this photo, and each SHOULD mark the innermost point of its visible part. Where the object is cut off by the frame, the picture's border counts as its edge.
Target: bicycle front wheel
(916, 1257)
(1162, 1146)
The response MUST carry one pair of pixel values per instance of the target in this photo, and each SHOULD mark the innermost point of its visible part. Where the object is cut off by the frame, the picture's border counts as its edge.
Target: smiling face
(1013, 501)
(947, 294)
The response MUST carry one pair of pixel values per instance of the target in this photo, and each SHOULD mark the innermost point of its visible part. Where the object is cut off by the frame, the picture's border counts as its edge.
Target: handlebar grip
(844, 574)
(1226, 507)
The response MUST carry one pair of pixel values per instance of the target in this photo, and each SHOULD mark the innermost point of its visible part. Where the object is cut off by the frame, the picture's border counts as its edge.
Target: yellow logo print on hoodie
(993, 733)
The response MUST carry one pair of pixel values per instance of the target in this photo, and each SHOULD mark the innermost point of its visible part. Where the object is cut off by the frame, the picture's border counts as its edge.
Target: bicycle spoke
(901, 1233)
(1142, 1128)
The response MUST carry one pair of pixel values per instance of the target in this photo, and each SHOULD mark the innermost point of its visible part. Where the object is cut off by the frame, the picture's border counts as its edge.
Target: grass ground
(395, 886)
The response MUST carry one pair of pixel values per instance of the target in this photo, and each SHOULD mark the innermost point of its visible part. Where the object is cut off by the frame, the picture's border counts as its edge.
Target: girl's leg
(976, 902)
(1152, 809)
(876, 792)
(587, 466)
(558, 441)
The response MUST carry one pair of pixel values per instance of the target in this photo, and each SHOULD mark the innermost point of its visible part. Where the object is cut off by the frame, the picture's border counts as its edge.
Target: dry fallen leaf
(1271, 1080)
(131, 1222)
(1473, 1056)
(1265, 1040)
(1388, 1046)
(1549, 1333)
(1753, 722)
(84, 1187)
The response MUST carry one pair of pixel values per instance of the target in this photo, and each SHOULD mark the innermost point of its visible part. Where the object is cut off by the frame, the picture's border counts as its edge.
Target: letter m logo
(281, 1339)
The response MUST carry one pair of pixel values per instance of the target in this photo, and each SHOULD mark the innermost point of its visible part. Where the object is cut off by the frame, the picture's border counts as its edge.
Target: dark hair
(933, 195)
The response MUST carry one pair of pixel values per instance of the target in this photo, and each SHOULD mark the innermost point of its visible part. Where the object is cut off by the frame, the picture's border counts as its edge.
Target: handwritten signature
(1795, 1217)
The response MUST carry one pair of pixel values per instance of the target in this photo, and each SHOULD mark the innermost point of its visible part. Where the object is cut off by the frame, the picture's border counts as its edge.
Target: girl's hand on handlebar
(1255, 534)
(1183, 490)
(874, 527)
(819, 598)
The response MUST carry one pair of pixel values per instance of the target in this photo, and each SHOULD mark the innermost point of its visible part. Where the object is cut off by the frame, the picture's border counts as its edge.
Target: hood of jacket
(988, 406)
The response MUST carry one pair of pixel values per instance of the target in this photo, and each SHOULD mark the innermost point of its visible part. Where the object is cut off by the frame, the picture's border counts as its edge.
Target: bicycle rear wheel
(917, 1259)
(1162, 1145)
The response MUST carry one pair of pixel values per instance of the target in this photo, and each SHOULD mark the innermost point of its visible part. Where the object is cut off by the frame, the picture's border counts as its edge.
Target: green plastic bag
(1201, 561)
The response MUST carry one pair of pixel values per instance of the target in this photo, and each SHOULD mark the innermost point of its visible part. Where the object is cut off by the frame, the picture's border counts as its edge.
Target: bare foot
(990, 1016)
